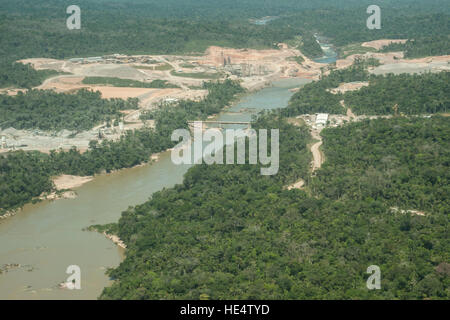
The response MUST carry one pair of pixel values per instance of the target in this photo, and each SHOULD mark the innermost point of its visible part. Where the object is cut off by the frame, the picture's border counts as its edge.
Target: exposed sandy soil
(69, 83)
(385, 58)
(9, 214)
(63, 83)
(115, 239)
(430, 59)
(261, 67)
(317, 162)
(378, 44)
(413, 212)
(45, 63)
(315, 150)
(298, 185)
(66, 83)
(264, 61)
(65, 181)
(157, 95)
(216, 55)
(432, 64)
(344, 87)
(123, 93)
(350, 114)
(57, 196)
(12, 91)
(395, 58)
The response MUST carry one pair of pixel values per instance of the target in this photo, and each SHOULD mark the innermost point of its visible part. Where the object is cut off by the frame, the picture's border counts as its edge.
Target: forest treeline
(403, 161)
(414, 93)
(19, 75)
(315, 96)
(25, 175)
(38, 29)
(227, 232)
(48, 110)
(422, 47)
(307, 44)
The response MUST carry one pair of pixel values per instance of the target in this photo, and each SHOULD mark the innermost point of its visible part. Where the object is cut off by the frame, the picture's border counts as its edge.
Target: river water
(45, 238)
(330, 55)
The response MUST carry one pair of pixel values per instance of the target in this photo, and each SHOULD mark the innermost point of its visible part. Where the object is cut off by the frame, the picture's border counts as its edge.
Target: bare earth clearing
(65, 181)
(351, 86)
(298, 185)
(255, 68)
(378, 44)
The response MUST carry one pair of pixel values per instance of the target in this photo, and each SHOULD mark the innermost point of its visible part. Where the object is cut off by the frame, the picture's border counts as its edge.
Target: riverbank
(108, 231)
(64, 183)
(9, 214)
(115, 239)
(49, 235)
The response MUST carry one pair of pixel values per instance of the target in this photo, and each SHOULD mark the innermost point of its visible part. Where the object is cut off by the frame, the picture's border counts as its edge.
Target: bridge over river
(219, 123)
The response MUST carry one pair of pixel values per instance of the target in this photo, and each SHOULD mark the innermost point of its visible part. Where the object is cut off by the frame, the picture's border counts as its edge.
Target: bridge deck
(222, 122)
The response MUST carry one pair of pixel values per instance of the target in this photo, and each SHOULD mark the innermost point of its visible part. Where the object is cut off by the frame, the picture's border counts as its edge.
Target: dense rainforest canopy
(315, 96)
(229, 233)
(422, 47)
(25, 175)
(48, 110)
(19, 75)
(414, 94)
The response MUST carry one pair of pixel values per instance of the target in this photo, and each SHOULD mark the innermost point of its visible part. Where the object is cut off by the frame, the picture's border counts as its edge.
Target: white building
(321, 119)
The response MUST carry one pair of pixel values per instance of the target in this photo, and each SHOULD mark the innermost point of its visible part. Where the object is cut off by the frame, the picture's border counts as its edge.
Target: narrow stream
(45, 238)
(330, 55)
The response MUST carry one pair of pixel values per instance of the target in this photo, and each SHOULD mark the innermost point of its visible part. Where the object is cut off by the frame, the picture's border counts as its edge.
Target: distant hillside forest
(38, 28)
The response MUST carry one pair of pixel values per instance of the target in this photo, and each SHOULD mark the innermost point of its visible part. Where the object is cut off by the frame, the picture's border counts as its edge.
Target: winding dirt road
(315, 150)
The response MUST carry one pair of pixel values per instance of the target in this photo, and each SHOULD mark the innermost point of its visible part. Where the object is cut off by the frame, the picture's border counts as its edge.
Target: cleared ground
(378, 44)
(254, 68)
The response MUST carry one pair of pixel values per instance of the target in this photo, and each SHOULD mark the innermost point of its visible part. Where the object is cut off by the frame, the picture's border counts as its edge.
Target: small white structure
(170, 100)
(321, 119)
(76, 60)
(94, 59)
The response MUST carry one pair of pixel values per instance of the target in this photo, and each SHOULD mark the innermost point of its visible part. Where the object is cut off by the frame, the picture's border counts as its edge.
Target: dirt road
(350, 114)
(315, 150)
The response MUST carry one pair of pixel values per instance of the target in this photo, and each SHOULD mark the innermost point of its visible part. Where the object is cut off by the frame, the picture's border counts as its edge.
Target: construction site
(255, 69)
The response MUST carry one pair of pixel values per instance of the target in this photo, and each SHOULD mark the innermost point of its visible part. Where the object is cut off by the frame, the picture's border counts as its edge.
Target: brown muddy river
(46, 238)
